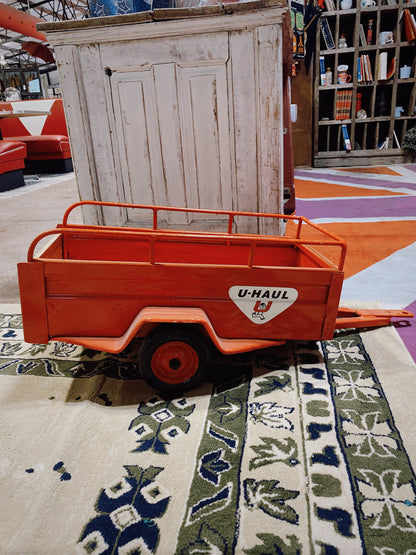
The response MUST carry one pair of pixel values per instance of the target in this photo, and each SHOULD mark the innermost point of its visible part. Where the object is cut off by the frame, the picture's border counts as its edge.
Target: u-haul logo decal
(262, 304)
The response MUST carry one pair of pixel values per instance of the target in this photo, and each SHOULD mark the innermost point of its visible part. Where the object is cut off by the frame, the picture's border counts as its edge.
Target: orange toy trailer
(183, 290)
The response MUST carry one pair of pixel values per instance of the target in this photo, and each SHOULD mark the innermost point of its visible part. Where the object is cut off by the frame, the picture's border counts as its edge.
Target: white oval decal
(262, 304)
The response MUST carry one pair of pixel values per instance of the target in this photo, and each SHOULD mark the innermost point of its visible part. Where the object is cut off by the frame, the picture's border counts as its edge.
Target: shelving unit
(20, 78)
(377, 131)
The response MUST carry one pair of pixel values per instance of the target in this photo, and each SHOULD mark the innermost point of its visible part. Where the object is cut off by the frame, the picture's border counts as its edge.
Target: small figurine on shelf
(370, 32)
(386, 37)
(342, 41)
(328, 76)
(405, 72)
(12, 94)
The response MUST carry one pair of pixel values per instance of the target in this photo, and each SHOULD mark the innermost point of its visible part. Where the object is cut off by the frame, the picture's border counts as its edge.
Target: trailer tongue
(369, 318)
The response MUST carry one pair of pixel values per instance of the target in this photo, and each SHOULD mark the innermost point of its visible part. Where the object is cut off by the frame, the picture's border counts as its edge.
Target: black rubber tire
(174, 358)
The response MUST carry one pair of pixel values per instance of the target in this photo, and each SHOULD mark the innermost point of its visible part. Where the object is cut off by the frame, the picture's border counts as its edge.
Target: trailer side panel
(103, 298)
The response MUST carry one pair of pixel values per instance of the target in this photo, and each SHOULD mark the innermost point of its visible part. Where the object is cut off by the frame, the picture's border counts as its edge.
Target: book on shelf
(343, 104)
(358, 100)
(339, 105)
(322, 69)
(326, 33)
(363, 39)
(330, 5)
(409, 25)
(368, 70)
(384, 144)
(385, 71)
(348, 104)
(346, 138)
(382, 67)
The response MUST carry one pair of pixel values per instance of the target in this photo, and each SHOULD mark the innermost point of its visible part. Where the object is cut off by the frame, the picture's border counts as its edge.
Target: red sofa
(46, 137)
(12, 163)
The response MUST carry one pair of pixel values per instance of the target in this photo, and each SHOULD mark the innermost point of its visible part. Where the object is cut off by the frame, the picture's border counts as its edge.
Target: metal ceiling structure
(11, 53)
(53, 10)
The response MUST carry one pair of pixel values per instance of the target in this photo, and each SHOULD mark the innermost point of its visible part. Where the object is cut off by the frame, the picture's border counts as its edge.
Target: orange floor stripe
(316, 189)
(370, 242)
(383, 170)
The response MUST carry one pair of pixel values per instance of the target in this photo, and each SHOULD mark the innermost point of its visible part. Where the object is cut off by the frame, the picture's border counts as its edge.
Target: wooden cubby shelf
(376, 106)
(20, 79)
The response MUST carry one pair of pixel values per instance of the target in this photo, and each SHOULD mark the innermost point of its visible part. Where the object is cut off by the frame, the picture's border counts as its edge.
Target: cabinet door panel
(138, 138)
(170, 138)
(173, 140)
(205, 115)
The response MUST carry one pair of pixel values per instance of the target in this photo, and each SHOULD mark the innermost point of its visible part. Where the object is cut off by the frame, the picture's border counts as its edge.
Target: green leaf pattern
(271, 499)
(385, 500)
(273, 450)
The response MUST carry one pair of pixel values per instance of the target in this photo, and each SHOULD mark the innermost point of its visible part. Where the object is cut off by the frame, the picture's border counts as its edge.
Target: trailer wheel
(174, 358)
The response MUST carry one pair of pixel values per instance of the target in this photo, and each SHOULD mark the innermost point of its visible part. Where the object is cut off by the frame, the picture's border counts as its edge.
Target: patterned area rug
(306, 448)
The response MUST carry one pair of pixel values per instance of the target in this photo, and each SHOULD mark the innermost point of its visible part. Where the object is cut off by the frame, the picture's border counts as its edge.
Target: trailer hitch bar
(367, 318)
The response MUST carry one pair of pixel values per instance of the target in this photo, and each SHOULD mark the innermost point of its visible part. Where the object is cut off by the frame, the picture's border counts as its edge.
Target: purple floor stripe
(344, 208)
(408, 331)
(355, 180)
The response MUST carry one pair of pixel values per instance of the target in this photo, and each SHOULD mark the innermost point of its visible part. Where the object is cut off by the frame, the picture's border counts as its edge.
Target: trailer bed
(92, 282)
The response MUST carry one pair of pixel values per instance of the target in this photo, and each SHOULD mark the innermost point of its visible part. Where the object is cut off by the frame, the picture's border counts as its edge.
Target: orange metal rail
(152, 235)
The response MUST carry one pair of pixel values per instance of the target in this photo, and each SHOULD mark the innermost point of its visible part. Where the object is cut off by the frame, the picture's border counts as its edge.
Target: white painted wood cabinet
(178, 107)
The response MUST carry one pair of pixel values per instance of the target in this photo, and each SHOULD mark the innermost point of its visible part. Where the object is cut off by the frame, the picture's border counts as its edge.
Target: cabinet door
(173, 139)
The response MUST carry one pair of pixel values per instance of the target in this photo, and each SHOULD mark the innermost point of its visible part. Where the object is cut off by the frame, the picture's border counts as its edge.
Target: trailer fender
(168, 315)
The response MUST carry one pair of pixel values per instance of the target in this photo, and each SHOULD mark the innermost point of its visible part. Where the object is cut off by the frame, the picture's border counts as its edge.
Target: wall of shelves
(369, 100)
(25, 80)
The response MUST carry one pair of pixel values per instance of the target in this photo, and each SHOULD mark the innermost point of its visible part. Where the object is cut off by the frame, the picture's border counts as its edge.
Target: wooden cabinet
(378, 108)
(178, 107)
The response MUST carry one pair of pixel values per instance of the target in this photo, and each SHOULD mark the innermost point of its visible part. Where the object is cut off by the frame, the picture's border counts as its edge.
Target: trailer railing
(298, 225)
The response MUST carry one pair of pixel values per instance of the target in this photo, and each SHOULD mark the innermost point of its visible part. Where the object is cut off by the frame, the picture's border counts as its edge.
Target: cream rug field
(306, 448)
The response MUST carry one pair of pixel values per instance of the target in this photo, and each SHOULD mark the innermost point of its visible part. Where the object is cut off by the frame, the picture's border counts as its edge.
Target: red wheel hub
(175, 362)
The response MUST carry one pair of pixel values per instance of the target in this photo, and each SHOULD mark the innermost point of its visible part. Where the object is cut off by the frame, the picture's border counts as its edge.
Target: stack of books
(364, 71)
(343, 104)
